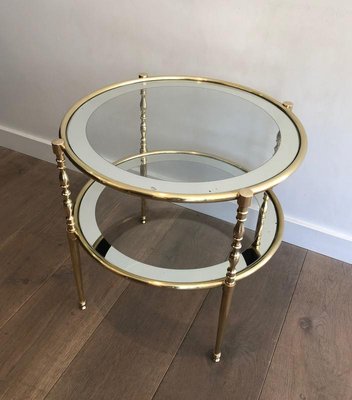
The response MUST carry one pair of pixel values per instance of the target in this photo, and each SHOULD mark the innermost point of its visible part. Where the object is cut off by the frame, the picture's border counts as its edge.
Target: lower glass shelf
(100, 241)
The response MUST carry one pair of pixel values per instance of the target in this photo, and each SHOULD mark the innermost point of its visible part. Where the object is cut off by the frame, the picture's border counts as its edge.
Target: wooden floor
(289, 334)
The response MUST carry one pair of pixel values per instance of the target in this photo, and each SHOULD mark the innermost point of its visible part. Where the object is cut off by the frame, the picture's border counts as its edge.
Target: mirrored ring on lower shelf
(92, 239)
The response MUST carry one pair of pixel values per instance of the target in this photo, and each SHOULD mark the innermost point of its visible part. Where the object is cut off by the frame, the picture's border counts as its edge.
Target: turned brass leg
(58, 146)
(143, 144)
(244, 202)
(227, 293)
(76, 266)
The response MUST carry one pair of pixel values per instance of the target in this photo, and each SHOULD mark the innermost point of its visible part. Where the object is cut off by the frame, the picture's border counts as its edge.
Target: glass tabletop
(183, 139)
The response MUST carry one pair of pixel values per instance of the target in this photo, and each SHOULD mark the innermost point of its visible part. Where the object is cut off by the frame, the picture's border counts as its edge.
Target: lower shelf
(253, 257)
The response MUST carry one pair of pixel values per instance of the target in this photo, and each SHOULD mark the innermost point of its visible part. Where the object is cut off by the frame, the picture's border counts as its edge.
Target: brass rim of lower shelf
(253, 267)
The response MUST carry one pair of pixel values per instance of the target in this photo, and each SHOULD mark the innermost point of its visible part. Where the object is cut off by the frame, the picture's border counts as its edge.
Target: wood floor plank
(205, 241)
(32, 239)
(27, 262)
(34, 248)
(313, 359)
(4, 152)
(132, 348)
(174, 223)
(13, 165)
(259, 307)
(43, 337)
(31, 195)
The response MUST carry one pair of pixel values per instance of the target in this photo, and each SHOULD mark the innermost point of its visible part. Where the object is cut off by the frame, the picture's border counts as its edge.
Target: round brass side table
(185, 140)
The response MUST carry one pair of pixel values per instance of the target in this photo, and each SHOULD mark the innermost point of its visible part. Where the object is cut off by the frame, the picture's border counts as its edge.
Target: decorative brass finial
(288, 105)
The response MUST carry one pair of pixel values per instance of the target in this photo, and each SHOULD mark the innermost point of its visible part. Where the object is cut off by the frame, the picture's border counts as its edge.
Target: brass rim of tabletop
(183, 197)
(253, 267)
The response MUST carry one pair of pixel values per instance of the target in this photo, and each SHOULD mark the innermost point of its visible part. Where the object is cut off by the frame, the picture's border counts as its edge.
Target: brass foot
(216, 357)
(82, 305)
(143, 219)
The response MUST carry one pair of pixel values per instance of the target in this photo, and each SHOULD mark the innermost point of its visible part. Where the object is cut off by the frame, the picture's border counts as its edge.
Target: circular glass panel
(204, 121)
(190, 117)
(180, 167)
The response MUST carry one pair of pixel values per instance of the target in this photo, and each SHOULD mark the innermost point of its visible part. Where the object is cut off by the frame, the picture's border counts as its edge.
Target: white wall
(54, 52)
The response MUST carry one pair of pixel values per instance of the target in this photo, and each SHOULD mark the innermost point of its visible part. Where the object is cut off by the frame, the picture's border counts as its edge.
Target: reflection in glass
(181, 117)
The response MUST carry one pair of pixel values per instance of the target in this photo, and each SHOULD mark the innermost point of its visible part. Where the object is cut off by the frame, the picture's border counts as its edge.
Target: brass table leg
(243, 202)
(58, 146)
(143, 145)
(76, 266)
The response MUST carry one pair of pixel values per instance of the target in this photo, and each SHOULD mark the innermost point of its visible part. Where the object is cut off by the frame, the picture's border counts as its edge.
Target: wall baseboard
(26, 143)
(301, 233)
(297, 232)
(29, 144)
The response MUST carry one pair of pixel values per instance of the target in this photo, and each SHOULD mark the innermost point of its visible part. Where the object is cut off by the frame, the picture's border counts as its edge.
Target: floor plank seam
(282, 327)
(34, 293)
(183, 339)
(85, 343)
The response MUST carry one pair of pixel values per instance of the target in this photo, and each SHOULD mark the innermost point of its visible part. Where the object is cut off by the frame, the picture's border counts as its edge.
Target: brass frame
(182, 197)
(243, 196)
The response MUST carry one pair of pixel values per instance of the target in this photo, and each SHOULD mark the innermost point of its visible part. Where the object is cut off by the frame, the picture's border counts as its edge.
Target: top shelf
(216, 130)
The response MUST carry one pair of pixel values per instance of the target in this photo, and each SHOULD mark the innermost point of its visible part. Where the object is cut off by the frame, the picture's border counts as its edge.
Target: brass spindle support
(260, 222)
(288, 104)
(143, 144)
(243, 202)
(58, 146)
